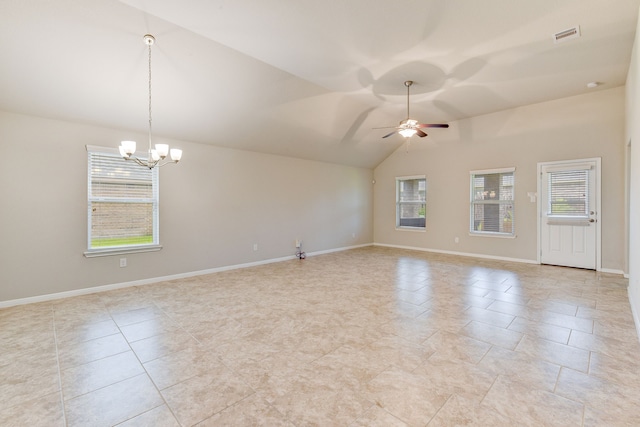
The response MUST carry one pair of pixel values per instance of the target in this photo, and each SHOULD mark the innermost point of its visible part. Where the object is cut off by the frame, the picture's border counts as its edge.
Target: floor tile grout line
(555, 387)
(137, 415)
(119, 328)
(147, 372)
(106, 386)
(55, 338)
(489, 388)
(255, 392)
(451, 396)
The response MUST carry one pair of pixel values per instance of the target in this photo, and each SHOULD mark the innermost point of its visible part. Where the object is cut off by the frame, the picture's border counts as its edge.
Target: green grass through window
(121, 241)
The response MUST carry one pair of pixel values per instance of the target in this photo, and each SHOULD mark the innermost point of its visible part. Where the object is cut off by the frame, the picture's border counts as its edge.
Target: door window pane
(568, 193)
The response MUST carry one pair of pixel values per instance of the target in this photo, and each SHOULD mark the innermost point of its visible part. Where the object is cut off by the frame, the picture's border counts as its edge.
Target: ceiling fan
(409, 127)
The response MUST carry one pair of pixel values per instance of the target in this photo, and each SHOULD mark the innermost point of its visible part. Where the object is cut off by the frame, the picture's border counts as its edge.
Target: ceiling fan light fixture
(407, 133)
(409, 127)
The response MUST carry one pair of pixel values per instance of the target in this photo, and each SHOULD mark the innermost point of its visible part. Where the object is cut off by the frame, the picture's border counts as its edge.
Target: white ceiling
(303, 78)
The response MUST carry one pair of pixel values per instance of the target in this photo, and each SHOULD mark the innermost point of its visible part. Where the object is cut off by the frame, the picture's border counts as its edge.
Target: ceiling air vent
(568, 34)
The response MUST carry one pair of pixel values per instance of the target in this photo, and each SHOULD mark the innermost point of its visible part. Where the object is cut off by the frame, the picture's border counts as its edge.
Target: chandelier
(158, 155)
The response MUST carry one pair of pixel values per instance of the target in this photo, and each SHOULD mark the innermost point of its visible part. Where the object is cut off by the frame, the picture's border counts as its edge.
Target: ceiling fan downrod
(408, 84)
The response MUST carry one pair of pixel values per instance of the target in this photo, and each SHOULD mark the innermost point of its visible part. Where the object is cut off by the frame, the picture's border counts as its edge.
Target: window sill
(121, 251)
(419, 229)
(498, 235)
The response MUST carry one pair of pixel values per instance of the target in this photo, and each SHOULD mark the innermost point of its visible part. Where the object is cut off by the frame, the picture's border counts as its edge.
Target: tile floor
(367, 337)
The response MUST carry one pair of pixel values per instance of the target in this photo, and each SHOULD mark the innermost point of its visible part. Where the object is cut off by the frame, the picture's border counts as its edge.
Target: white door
(569, 193)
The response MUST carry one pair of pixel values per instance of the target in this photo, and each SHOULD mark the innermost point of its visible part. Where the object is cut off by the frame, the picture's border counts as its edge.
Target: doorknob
(592, 220)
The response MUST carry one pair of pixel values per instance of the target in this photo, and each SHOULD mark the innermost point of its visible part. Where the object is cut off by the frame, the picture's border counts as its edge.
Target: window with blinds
(569, 193)
(411, 205)
(122, 203)
(493, 202)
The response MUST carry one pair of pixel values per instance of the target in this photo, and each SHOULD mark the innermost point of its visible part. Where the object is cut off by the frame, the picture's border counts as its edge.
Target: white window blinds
(122, 202)
(569, 193)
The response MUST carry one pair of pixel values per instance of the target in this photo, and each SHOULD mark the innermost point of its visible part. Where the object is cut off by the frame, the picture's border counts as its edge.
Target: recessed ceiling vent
(568, 34)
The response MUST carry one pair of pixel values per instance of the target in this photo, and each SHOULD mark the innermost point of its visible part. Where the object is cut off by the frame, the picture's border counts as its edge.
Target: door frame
(598, 207)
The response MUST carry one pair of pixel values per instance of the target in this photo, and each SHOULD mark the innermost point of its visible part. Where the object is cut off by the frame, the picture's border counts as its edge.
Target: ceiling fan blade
(420, 133)
(389, 134)
(424, 125)
(388, 127)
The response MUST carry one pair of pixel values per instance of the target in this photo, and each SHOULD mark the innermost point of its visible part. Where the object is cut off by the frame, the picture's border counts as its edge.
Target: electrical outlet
(457, 240)
(123, 262)
(255, 246)
(353, 235)
(298, 243)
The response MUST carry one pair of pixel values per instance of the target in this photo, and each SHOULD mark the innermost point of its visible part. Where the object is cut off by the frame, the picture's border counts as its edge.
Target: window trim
(576, 218)
(94, 253)
(121, 250)
(473, 203)
(397, 203)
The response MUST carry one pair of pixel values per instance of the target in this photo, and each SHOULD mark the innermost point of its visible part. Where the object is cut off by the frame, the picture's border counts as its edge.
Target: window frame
(492, 202)
(400, 203)
(154, 200)
(583, 200)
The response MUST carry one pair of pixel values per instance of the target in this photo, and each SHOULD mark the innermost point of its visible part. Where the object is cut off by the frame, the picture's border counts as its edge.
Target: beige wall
(585, 126)
(214, 206)
(218, 202)
(633, 135)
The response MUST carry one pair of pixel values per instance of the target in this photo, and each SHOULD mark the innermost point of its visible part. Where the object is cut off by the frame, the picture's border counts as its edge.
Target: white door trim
(578, 162)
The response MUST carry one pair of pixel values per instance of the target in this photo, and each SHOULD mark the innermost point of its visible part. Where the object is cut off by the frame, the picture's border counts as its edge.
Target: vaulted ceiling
(303, 78)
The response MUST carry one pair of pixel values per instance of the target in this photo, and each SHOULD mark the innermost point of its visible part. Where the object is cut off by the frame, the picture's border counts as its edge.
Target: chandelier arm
(153, 163)
(139, 162)
(167, 162)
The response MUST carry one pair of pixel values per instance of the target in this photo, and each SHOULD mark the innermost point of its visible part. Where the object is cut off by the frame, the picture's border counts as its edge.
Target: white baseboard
(484, 256)
(464, 254)
(346, 248)
(635, 314)
(104, 288)
(613, 271)
(110, 287)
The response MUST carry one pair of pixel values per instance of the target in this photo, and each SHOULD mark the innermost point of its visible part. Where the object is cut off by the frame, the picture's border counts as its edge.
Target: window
(122, 204)
(492, 202)
(411, 204)
(569, 193)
